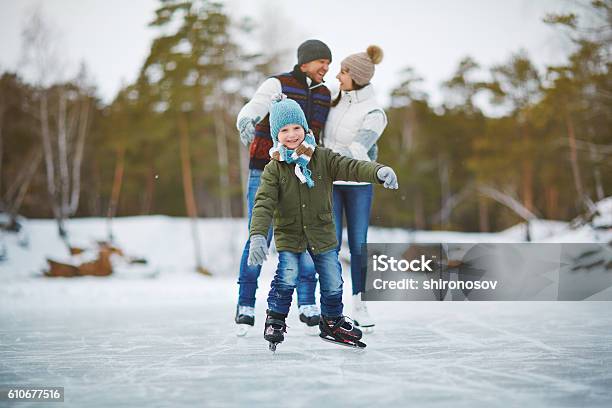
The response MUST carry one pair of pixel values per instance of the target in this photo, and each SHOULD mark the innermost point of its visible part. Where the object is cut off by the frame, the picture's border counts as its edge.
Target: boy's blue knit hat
(285, 112)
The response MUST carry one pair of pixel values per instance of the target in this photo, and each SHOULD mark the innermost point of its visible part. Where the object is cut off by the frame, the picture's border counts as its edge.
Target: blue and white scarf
(300, 156)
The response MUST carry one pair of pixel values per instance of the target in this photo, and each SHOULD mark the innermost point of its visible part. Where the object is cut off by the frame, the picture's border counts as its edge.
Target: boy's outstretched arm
(266, 201)
(347, 169)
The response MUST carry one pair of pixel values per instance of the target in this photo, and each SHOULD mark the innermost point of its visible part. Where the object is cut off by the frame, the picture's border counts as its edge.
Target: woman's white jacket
(354, 126)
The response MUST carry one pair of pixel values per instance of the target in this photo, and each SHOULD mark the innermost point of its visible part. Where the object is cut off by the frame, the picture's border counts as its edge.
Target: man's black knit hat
(311, 50)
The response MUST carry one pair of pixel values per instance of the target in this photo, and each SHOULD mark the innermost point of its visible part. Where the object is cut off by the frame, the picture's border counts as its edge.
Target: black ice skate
(340, 330)
(275, 329)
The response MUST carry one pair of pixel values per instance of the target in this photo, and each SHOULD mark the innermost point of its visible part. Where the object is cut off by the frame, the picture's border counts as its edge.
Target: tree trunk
(223, 160)
(147, 202)
(114, 198)
(78, 157)
(527, 169)
(569, 123)
(93, 191)
(45, 133)
(552, 202)
(62, 151)
(15, 199)
(21, 177)
(483, 215)
(47, 148)
(190, 203)
(527, 173)
(599, 189)
(234, 106)
(186, 167)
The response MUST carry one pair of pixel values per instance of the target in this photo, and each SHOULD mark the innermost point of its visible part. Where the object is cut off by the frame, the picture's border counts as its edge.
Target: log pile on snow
(98, 261)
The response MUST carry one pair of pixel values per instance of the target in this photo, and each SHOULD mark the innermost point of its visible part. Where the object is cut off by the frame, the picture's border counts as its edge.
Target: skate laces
(277, 324)
(310, 310)
(246, 310)
(348, 320)
(282, 327)
(339, 324)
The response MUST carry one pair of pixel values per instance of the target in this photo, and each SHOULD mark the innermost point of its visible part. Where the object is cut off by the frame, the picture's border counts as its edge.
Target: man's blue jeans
(356, 202)
(247, 280)
(330, 281)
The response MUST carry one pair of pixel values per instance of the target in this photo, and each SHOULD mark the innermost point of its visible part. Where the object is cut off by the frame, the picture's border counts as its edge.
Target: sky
(113, 39)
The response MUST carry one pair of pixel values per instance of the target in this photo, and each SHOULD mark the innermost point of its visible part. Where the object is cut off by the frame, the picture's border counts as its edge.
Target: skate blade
(272, 347)
(357, 345)
(242, 330)
(312, 330)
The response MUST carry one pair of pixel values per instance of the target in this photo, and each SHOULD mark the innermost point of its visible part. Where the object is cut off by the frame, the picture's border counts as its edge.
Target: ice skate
(275, 329)
(361, 316)
(340, 330)
(310, 316)
(245, 320)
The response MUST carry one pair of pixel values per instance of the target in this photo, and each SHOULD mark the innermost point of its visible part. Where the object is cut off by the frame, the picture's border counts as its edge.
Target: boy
(295, 191)
(304, 84)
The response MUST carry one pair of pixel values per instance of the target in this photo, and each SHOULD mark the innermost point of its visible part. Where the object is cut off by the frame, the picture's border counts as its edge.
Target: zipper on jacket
(339, 121)
(309, 107)
(309, 101)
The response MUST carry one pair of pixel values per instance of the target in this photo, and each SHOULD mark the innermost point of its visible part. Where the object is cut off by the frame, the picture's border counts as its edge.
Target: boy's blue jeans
(247, 280)
(330, 281)
(356, 201)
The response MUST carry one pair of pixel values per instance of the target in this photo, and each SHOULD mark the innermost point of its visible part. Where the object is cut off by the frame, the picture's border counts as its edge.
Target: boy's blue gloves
(388, 177)
(247, 129)
(258, 250)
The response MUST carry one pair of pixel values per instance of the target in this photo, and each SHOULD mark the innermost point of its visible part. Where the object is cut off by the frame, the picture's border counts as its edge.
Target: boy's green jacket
(303, 216)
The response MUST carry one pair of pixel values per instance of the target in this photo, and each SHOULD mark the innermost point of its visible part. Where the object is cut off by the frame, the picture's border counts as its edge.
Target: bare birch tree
(62, 114)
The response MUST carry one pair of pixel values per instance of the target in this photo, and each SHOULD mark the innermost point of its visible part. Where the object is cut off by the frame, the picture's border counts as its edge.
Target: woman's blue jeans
(247, 280)
(356, 202)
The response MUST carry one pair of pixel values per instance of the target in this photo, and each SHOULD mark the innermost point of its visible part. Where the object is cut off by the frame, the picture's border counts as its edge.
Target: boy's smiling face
(291, 136)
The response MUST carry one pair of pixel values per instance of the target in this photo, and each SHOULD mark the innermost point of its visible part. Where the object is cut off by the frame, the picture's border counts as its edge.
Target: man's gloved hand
(388, 177)
(258, 250)
(247, 129)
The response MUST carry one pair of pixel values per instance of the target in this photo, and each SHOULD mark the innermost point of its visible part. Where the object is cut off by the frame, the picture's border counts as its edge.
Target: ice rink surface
(170, 342)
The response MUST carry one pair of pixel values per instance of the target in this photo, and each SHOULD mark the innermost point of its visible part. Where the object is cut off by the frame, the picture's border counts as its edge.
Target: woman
(355, 123)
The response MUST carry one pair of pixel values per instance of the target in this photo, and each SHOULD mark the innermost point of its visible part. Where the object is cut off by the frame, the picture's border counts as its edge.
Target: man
(304, 85)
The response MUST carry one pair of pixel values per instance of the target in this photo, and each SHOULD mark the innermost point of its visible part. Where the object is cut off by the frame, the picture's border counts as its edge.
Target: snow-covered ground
(163, 335)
